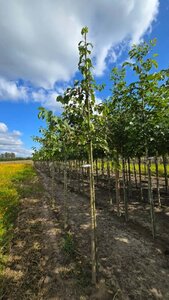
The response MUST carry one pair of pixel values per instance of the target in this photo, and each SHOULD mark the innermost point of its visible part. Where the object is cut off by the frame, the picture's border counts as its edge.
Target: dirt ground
(131, 265)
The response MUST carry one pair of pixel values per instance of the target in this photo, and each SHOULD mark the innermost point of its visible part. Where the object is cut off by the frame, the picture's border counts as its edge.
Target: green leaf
(154, 63)
(84, 30)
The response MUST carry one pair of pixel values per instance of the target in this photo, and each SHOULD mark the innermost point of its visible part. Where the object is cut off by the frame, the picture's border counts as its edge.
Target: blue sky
(39, 56)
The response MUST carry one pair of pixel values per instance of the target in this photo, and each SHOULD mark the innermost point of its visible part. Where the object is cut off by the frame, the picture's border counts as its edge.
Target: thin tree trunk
(126, 170)
(76, 176)
(59, 171)
(157, 181)
(70, 174)
(91, 179)
(126, 178)
(52, 172)
(150, 196)
(65, 194)
(83, 187)
(140, 179)
(117, 185)
(135, 173)
(79, 176)
(93, 215)
(145, 168)
(165, 172)
(129, 180)
(97, 177)
(124, 191)
(102, 167)
(109, 182)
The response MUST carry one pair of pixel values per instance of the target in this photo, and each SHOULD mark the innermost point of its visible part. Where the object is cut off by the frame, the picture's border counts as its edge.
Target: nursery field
(48, 261)
(131, 264)
(127, 199)
(93, 217)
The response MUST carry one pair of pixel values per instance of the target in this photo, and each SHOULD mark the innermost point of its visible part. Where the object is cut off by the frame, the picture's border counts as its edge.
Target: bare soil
(131, 264)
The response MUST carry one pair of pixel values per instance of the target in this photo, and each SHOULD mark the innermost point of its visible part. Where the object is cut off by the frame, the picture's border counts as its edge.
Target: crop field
(11, 176)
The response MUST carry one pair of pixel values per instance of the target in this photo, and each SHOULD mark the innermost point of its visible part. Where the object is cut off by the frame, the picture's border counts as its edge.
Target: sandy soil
(131, 265)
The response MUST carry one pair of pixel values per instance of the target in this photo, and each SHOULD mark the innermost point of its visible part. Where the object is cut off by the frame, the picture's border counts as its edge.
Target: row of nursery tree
(132, 122)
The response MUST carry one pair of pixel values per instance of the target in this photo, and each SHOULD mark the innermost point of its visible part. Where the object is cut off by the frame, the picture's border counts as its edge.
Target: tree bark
(135, 173)
(150, 196)
(97, 177)
(102, 167)
(140, 179)
(129, 180)
(124, 191)
(157, 181)
(65, 194)
(117, 185)
(109, 182)
(165, 172)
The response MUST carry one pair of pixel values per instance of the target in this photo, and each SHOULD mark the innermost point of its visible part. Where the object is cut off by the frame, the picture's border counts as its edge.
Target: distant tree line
(7, 155)
(11, 156)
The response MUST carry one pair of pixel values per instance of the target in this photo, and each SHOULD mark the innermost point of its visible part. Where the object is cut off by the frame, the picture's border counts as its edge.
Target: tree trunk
(141, 189)
(91, 172)
(129, 180)
(93, 215)
(165, 172)
(157, 181)
(79, 176)
(135, 173)
(97, 174)
(65, 195)
(102, 167)
(52, 172)
(124, 191)
(145, 168)
(117, 185)
(83, 186)
(150, 196)
(109, 182)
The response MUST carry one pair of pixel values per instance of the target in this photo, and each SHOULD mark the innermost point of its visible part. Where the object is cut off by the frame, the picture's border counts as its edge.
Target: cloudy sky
(39, 55)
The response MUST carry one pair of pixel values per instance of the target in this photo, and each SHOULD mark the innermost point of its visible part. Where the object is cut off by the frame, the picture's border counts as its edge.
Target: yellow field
(10, 175)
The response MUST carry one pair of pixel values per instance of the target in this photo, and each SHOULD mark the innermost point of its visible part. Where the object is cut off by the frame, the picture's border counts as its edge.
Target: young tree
(148, 103)
(79, 103)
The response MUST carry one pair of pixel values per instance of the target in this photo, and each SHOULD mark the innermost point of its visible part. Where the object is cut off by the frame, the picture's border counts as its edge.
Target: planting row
(132, 122)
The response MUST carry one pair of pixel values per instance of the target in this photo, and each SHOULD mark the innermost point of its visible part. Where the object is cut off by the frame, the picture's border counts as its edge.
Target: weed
(83, 274)
(68, 244)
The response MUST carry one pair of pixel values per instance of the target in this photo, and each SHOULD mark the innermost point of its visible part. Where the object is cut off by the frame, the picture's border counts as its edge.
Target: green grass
(25, 175)
(153, 168)
(22, 181)
(68, 244)
(13, 179)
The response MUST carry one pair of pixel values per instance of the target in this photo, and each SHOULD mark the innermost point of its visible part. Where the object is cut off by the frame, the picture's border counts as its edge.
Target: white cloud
(39, 38)
(17, 133)
(3, 128)
(10, 90)
(10, 142)
(47, 99)
(98, 100)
